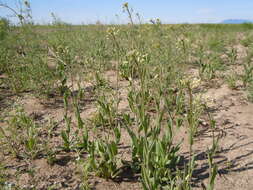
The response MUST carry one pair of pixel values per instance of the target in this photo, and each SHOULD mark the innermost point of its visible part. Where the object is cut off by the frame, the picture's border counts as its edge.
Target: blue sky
(169, 11)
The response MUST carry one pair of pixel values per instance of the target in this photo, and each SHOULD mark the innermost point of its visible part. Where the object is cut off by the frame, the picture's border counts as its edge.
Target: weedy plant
(21, 135)
(160, 160)
(247, 76)
(103, 159)
(69, 136)
(208, 62)
(63, 59)
(4, 28)
(232, 56)
(3, 176)
(106, 115)
(50, 151)
(247, 41)
(250, 92)
(231, 80)
(83, 141)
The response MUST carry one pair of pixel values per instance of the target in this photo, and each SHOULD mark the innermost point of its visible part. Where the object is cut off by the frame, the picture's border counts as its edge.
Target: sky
(110, 11)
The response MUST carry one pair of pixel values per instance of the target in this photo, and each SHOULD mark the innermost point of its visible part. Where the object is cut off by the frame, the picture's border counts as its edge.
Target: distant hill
(236, 21)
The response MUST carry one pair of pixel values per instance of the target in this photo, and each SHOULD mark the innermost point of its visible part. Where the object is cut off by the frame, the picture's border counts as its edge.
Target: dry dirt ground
(230, 108)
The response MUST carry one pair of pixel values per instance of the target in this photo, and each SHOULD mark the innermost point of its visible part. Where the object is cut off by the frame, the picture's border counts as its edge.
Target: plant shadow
(225, 166)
